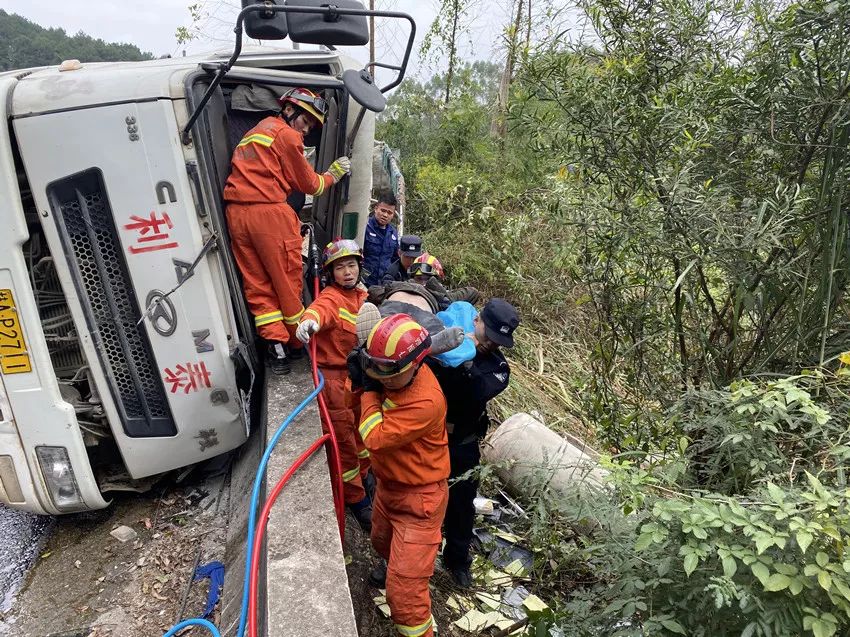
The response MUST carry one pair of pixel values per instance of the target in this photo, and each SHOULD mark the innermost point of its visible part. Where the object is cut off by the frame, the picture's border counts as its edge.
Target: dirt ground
(86, 583)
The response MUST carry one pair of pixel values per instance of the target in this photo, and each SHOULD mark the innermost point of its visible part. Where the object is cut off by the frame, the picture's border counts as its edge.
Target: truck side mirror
(331, 29)
(362, 89)
(265, 25)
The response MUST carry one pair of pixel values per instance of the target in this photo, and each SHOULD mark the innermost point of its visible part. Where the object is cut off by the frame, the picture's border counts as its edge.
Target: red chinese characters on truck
(187, 378)
(152, 233)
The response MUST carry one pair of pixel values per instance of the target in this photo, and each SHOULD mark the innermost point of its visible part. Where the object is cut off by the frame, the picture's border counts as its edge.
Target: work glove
(340, 168)
(306, 329)
(355, 371)
(370, 384)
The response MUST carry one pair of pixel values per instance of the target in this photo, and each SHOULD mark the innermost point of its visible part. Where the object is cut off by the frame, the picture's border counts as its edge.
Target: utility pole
(371, 38)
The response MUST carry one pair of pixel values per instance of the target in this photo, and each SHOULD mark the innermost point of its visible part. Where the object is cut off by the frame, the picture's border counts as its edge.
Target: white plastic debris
(484, 506)
(123, 533)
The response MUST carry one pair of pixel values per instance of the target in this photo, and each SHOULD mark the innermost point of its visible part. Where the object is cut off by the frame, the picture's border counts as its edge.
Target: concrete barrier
(304, 580)
(527, 452)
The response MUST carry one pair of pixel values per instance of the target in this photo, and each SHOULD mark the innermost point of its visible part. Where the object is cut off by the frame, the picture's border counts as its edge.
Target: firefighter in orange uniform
(332, 317)
(267, 165)
(403, 425)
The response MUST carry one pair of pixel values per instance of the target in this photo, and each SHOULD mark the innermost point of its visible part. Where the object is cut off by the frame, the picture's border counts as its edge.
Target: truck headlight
(59, 477)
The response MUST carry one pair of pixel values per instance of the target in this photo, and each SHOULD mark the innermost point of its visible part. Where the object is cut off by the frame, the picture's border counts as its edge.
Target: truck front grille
(97, 264)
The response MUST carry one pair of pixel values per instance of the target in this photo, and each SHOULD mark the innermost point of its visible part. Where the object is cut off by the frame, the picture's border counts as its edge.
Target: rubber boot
(363, 514)
(276, 358)
(378, 575)
(295, 353)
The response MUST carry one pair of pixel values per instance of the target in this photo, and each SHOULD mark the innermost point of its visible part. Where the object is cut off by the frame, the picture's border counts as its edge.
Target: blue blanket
(460, 314)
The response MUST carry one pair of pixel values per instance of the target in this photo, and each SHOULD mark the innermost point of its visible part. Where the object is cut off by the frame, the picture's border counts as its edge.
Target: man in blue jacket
(380, 242)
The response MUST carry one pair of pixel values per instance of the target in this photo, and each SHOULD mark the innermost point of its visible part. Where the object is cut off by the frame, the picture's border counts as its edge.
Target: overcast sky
(151, 25)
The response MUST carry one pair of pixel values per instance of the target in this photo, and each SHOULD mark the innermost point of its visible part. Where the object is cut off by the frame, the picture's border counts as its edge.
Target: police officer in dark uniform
(410, 247)
(467, 389)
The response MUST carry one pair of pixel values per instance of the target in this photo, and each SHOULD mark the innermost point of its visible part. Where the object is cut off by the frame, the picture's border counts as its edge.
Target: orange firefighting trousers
(362, 452)
(406, 524)
(347, 436)
(266, 242)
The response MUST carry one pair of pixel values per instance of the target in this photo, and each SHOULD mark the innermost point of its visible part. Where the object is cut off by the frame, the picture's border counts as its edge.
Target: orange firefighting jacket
(268, 164)
(335, 310)
(405, 431)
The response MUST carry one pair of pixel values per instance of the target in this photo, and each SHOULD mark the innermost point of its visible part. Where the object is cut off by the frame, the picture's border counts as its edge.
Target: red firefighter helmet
(340, 248)
(426, 264)
(394, 345)
(308, 101)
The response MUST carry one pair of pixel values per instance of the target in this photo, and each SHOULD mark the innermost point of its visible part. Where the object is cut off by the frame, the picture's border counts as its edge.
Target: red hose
(336, 483)
(336, 461)
(261, 528)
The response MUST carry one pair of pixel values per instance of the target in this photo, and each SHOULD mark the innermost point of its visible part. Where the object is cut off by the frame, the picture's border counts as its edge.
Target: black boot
(369, 484)
(295, 353)
(461, 573)
(462, 576)
(378, 575)
(363, 514)
(276, 358)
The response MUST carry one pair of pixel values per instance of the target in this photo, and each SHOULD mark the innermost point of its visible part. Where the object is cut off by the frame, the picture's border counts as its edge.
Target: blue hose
(252, 520)
(255, 498)
(194, 622)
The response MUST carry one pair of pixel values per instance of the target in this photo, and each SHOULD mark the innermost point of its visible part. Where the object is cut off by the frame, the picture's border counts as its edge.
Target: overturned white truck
(126, 349)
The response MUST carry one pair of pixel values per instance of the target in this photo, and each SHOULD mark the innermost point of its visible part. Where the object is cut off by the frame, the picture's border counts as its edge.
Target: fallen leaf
(508, 537)
(497, 578)
(156, 595)
(490, 600)
(533, 604)
(147, 523)
(473, 622)
(516, 568)
(44, 556)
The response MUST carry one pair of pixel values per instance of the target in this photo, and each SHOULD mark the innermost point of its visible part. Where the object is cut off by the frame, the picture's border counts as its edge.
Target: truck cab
(126, 348)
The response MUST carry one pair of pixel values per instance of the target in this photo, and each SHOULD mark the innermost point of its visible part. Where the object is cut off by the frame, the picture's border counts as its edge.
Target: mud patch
(22, 535)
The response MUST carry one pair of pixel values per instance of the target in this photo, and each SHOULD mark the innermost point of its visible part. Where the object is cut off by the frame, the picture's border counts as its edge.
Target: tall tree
(442, 38)
(26, 44)
(499, 124)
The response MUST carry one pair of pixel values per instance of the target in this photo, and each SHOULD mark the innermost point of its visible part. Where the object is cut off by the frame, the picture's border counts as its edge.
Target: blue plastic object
(459, 314)
(193, 622)
(215, 572)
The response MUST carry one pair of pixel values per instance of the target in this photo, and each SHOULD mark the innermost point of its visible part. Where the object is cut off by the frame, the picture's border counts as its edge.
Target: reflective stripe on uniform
(257, 138)
(270, 317)
(314, 314)
(388, 404)
(293, 320)
(363, 453)
(415, 631)
(345, 315)
(321, 187)
(349, 475)
(369, 423)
